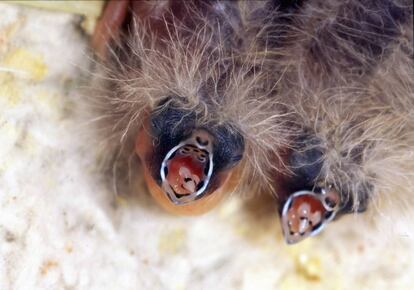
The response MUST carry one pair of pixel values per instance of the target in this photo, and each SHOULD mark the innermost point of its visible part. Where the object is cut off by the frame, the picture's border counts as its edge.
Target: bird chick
(176, 92)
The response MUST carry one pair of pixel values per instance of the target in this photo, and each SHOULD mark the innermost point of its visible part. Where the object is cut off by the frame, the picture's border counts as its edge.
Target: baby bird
(175, 92)
(310, 101)
(345, 70)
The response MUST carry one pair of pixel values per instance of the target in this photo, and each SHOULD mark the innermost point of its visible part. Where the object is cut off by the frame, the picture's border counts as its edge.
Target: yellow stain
(9, 91)
(309, 267)
(307, 261)
(30, 64)
(310, 270)
(171, 242)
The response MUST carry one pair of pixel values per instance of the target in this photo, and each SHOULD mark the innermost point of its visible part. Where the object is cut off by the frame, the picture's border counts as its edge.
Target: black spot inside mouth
(172, 155)
(200, 185)
(206, 169)
(328, 215)
(180, 195)
(317, 227)
(187, 179)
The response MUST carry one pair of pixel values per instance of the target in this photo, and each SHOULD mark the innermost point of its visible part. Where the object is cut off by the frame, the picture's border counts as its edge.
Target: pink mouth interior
(305, 213)
(184, 173)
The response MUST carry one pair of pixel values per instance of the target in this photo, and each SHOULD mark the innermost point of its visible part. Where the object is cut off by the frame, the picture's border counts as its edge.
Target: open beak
(187, 168)
(305, 213)
(186, 172)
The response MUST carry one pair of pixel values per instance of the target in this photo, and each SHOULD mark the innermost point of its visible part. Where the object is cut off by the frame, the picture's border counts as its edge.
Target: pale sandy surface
(61, 228)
